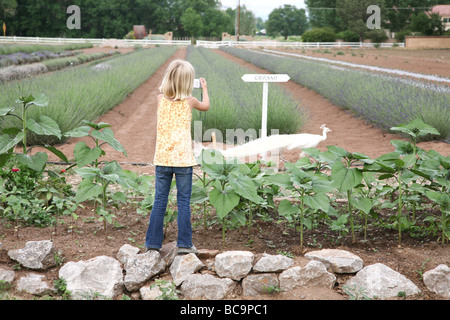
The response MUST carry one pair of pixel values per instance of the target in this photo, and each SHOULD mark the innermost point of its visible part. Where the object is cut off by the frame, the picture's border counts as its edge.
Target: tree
(287, 21)
(247, 25)
(192, 22)
(398, 17)
(7, 8)
(353, 14)
(215, 22)
(322, 13)
(427, 24)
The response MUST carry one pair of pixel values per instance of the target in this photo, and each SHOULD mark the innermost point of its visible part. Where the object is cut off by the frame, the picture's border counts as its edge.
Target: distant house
(444, 13)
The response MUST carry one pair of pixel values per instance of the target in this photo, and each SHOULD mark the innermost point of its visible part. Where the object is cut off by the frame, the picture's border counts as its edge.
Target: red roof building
(444, 12)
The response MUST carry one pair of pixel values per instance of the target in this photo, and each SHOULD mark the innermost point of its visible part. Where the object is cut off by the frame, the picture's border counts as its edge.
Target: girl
(174, 153)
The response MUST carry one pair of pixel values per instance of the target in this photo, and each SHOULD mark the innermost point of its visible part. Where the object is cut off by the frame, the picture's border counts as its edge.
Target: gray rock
(100, 275)
(184, 265)
(36, 255)
(257, 284)
(206, 286)
(125, 252)
(141, 267)
(314, 274)
(438, 280)
(7, 275)
(337, 261)
(34, 284)
(273, 263)
(233, 264)
(380, 281)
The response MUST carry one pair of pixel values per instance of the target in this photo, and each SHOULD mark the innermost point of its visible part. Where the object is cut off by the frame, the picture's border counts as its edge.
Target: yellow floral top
(173, 135)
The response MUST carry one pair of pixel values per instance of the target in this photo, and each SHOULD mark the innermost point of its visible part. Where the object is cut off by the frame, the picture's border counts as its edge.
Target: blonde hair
(178, 80)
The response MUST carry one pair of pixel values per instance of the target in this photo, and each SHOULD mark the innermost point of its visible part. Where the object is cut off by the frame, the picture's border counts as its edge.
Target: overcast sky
(262, 8)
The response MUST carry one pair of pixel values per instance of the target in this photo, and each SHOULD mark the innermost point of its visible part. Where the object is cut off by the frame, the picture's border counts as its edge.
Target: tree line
(348, 17)
(207, 18)
(116, 18)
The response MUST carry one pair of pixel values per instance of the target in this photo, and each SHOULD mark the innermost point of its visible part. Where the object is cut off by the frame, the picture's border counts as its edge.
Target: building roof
(442, 10)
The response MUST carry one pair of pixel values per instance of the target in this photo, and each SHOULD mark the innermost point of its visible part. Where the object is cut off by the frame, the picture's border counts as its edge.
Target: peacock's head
(325, 129)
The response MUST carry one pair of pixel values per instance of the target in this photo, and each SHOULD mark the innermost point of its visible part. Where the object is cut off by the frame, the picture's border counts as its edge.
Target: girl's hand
(203, 83)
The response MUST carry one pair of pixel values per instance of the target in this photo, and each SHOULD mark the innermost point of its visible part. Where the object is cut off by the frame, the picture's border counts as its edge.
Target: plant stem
(349, 195)
(301, 220)
(399, 215)
(24, 128)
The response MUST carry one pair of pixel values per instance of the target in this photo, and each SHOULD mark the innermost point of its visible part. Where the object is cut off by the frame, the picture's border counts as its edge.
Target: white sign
(265, 77)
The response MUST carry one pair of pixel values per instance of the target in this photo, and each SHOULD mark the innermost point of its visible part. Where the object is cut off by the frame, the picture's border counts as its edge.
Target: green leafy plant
(309, 186)
(28, 193)
(95, 186)
(16, 135)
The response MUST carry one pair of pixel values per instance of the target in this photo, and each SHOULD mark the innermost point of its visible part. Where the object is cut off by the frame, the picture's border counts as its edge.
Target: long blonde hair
(178, 80)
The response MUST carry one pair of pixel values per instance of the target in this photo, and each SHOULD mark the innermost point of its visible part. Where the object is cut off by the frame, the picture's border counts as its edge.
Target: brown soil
(134, 123)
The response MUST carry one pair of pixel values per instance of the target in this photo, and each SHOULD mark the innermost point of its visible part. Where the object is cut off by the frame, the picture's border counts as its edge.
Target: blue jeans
(164, 176)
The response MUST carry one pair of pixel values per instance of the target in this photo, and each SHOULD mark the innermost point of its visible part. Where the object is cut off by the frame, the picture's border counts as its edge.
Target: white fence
(127, 42)
(301, 45)
(133, 42)
(50, 40)
(207, 44)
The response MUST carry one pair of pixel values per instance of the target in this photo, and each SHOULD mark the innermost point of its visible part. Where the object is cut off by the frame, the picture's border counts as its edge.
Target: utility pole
(238, 19)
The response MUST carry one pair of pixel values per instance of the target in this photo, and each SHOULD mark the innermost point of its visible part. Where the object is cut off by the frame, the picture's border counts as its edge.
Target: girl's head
(178, 80)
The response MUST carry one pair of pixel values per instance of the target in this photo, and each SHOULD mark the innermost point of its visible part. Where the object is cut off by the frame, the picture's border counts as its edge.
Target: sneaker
(150, 249)
(192, 249)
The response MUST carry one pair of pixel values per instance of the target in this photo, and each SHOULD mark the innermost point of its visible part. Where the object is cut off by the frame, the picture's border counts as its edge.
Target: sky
(262, 8)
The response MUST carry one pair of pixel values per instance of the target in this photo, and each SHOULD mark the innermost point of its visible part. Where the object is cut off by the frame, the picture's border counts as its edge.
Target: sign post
(265, 79)
(4, 29)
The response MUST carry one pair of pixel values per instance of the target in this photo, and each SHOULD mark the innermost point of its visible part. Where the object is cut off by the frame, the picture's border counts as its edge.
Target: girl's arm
(204, 104)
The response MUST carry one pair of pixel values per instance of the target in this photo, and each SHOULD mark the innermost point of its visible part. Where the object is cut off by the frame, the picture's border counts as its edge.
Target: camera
(197, 84)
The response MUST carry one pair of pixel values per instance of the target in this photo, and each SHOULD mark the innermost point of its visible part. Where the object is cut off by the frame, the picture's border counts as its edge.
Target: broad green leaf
(58, 153)
(97, 126)
(12, 130)
(341, 152)
(403, 147)
(40, 101)
(282, 179)
(36, 162)
(363, 204)
(442, 199)
(85, 155)
(112, 167)
(82, 131)
(317, 201)
(245, 187)
(223, 201)
(5, 110)
(287, 209)
(88, 190)
(88, 172)
(199, 194)
(6, 143)
(344, 178)
(46, 126)
(107, 135)
(4, 158)
(416, 128)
